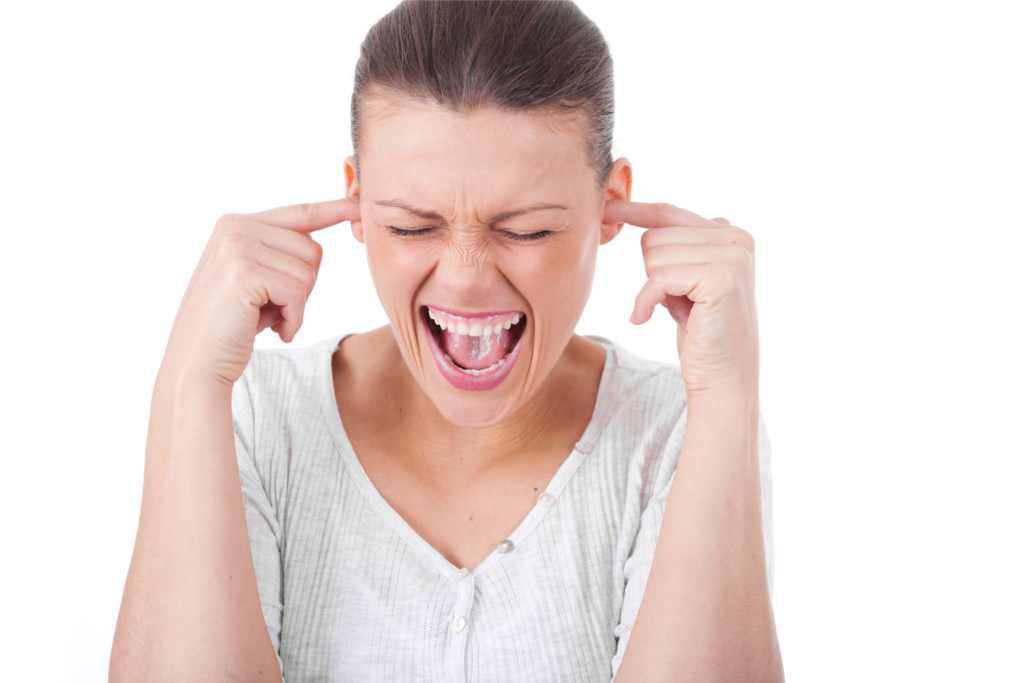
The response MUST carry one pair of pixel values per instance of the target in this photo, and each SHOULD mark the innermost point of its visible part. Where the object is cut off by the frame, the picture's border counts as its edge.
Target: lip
(457, 378)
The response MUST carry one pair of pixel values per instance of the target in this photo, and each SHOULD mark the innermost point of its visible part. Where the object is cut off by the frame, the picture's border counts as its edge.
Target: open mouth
(474, 351)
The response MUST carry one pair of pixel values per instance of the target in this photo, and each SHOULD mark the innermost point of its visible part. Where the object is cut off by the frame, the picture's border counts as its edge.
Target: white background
(874, 149)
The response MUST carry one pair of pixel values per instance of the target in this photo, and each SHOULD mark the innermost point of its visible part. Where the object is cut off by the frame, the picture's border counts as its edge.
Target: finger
(679, 308)
(729, 235)
(723, 221)
(273, 287)
(309, 217)
(695, 254)
(651, 215)
(286, 264)
(675, 280)
(297, 244)
(270, 315)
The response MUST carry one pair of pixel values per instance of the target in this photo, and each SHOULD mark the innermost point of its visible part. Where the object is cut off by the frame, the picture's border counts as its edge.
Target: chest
(463, 517)
(462, 491)
(362, 602)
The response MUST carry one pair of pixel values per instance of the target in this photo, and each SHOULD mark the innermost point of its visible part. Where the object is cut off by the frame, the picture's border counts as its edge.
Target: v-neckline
(431, 555)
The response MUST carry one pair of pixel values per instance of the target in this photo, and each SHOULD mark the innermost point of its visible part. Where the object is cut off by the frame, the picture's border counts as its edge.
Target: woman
(472, 493)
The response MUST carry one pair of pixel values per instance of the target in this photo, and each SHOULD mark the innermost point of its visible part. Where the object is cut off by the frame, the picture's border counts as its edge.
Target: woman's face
(481, 232)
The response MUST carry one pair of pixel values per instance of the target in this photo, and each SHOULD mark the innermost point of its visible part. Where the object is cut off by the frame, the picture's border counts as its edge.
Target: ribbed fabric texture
(351, 593)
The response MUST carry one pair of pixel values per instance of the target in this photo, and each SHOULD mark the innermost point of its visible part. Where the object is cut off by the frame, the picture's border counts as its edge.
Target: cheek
(398, 268)
(556, 281)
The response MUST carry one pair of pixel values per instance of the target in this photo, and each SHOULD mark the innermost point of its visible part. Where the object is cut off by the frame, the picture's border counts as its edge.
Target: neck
(419, 435)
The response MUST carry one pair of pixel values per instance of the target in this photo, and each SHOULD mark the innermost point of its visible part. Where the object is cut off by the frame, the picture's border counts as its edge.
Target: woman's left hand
(702, 271)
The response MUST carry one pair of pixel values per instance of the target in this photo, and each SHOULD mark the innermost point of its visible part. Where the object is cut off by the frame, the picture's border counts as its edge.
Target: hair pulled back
(510, 54)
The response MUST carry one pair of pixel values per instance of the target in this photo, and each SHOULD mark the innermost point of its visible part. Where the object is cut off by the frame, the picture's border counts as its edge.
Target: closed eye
(527, 236)
(402, 232)
(517, 236)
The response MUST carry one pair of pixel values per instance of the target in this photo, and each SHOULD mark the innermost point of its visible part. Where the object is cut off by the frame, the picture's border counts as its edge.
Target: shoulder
(636, 436)
(642, 418)
(283, 380)
(642, 390)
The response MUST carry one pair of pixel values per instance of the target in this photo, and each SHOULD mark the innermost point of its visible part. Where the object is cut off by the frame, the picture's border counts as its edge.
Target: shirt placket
(458, 621)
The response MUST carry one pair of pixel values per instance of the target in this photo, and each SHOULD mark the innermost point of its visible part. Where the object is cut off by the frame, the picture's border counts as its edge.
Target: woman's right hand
(256, 272)
(191, 605)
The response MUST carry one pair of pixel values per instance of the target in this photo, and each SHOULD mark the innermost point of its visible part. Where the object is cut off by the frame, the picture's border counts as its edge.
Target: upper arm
(260, 517)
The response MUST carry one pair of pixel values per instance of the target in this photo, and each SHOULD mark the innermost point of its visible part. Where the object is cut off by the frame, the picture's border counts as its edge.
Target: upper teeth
(474, 327)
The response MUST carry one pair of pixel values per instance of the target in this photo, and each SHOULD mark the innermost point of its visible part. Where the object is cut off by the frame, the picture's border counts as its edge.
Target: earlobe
(357, 231)
(352, 192)
(608, 232)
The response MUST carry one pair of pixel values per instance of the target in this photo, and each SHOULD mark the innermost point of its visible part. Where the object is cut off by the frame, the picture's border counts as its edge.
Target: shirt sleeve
(260, 516)
(638, 565)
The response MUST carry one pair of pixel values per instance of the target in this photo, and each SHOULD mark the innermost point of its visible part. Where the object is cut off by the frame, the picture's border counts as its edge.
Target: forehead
(484, 155)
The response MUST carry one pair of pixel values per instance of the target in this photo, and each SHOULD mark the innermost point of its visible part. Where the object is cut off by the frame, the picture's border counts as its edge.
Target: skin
(494, 164)
(461, 467)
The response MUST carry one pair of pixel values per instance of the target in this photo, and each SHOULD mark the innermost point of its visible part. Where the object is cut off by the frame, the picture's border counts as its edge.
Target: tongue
(476, 353)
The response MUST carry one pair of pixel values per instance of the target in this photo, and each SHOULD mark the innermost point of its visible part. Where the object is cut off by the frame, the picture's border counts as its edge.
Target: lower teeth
(479, 372)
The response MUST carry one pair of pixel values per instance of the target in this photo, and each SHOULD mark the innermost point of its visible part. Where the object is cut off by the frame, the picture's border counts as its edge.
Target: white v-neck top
(351, 593)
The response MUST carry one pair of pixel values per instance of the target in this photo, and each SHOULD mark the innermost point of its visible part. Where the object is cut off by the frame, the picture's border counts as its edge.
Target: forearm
(706, 614)
(191, 608)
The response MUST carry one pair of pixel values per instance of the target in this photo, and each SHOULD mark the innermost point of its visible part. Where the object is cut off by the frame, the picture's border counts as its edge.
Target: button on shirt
(350, 592)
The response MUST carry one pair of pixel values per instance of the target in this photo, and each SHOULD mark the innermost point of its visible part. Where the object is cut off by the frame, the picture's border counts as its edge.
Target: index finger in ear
(307, 218)
(645, 215)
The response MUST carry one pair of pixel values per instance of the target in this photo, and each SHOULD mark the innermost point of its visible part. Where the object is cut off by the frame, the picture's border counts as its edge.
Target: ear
(352, 192)
(619, 186)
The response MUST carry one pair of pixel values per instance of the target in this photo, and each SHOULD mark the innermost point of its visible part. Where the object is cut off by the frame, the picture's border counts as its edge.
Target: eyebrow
(422, 213)
(529, 209)
(432, 215)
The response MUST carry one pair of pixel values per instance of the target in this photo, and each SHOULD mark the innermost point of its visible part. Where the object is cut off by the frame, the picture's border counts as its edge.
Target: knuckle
(230, 245)
(664, 213)
(657, 237)
(297, 291)
(309, 277)
(740, 237)
(659, 276)
(238, 272)
(226, 223)
(654, 259)
(747, 259)
(740, 256)
(316, 253)
(650, 256)
(645, 240)
(727, 276)
(306, 211)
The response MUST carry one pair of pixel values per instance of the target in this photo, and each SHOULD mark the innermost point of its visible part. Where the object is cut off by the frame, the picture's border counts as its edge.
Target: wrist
(729, 413)
(177, 382)
(732, 393)
(720, 378)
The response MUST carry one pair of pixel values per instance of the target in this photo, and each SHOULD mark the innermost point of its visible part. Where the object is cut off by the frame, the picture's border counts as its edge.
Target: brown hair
(511, 54)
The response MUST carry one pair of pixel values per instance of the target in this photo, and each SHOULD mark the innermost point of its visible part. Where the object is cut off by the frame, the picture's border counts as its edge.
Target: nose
(466, 274)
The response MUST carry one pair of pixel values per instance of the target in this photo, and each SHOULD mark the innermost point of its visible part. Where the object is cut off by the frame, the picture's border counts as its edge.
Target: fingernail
(632, 317)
